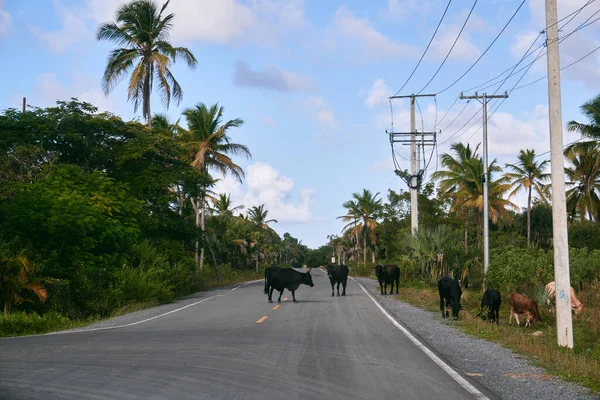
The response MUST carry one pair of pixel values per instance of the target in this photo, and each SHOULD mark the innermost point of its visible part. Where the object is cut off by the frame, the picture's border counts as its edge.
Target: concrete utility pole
(24, 103)
(564, 323)
(484, 178)
(415, 167)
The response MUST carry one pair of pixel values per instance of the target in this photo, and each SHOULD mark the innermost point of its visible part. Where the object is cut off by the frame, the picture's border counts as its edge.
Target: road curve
(235, 346)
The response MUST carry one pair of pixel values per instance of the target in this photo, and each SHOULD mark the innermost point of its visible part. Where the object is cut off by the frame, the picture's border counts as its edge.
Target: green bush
(21, 323)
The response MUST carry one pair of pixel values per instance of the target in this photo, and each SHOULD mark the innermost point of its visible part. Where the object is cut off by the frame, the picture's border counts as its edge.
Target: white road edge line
(455, 375)
(118, 326)
(247, 283)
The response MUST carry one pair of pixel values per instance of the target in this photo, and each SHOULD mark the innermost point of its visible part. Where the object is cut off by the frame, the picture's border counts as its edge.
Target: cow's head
(330, 268)
(378, 269)
(307, 279)
(456, 307)
(577, 308)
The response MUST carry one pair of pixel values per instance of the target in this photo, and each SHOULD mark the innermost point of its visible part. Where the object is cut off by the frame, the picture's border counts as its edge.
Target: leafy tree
(528, 174)
(584, 181)
(224, 206)
(591, 110)
(143, 34)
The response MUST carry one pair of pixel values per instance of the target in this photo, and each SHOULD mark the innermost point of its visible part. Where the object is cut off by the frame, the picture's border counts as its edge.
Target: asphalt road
(234, 346)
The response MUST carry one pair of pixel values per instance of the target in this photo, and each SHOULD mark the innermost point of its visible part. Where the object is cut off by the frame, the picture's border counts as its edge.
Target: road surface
(235, 346)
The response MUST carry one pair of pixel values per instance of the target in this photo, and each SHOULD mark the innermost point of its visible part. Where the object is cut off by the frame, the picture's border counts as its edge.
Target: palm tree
(16, 274)
(258, 216)
(362, 213)
(210, 147)
(528, 174)
(584, 180)
(461, 181)
(591, 110)
(223, 205)
(142, 32)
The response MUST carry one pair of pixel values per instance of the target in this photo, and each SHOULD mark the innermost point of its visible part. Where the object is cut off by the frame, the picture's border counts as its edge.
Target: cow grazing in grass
(387, 275)
(338, 274)
(576, 305)
(285, 278)
(450, 292)
(492, 300)
(519, 304)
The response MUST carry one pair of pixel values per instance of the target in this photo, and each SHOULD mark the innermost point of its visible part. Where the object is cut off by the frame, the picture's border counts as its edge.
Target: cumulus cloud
(362, 38)
(271, 78)
(265, 185)
(321, 112)
(378, 94)
(5, 19)
(464, 49)
(399, 10)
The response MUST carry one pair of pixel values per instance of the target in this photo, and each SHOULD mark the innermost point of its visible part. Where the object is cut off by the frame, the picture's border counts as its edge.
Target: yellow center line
(276, 307)
(285, 299)
(261, 320)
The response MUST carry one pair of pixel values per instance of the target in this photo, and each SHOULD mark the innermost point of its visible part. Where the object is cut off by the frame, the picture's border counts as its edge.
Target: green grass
(580, 365)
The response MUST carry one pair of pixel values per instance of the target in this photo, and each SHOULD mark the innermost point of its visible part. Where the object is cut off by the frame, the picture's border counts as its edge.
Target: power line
(486, 50)
(448, 110)
(427, 48)
(563, 68)
(458, 115)
(451, 48)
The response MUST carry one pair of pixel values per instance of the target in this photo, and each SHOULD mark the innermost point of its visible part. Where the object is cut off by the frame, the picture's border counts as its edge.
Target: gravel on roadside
(507, 374)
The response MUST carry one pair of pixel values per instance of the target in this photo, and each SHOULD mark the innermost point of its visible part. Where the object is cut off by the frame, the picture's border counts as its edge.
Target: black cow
(387, 275)
(338, 274)
(492, 300)
(449, 290)
(285, 278)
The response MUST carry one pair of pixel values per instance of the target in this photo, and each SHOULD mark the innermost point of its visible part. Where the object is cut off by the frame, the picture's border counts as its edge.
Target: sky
(311, 80)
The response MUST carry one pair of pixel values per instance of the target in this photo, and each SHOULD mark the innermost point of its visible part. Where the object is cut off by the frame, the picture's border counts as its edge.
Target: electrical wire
(421, 114)
(451, 48)
(485, 51)
(427, 48)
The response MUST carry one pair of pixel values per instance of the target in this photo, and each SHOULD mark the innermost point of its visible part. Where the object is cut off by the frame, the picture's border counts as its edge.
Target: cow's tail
(267, 276)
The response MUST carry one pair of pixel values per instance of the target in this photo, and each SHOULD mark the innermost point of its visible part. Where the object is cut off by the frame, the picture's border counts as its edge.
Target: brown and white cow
(519, 304)
(576, 305)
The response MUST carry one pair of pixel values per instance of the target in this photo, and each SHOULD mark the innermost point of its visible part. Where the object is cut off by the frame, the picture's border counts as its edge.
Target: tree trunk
(257, 262)
(365, 245)
(202, 208)
(466, 237)
(529, 217)
(197, 214)
(146, 105)
(215, 264)
(373, 256)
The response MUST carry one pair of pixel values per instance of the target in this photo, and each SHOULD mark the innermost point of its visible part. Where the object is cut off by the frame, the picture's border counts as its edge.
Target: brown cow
(519, 304)
(576, 305)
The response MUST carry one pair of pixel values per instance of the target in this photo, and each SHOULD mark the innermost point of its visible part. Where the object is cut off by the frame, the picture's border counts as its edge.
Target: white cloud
(5, 19)
(48, 90)
(272, 78)
(399, 10)
(378, 94)
(321, 112)
(464, 49)
(361, 38)
(265, 185)
(74, 28)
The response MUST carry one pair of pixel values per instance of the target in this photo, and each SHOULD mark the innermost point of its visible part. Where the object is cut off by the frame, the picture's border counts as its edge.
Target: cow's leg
(271, 294)
(332, 292)
(528, 318)
(497, 316)
(517, 319)
(397, 284)
(442, 304)
(338, 288)
(294, 296)
(280, 294)
(385, 288)
(344, 287)
(381, 287)
(510, 315)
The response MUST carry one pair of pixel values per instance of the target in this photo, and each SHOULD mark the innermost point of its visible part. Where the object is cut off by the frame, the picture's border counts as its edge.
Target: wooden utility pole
(415, 167)
(485, 178)
(564, 323)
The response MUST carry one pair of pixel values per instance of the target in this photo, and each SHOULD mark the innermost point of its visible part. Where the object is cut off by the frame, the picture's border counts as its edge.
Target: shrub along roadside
(30, 323)
(582, 365)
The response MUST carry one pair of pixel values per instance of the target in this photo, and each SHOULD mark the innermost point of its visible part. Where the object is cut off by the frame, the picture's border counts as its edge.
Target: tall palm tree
(363, 212)
(142, 32)
(222, 205)
(528, 174)
(209, 147)
(258, 215)
(461, 181)
(591, 110)
(584, 181)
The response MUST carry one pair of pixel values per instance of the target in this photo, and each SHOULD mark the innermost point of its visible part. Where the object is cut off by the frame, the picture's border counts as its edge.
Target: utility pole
(24, 103)
(564, 323)
(485, 178)
(415, 168)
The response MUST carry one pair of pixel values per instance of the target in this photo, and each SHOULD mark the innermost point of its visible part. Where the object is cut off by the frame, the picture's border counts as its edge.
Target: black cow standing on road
(338, 274)
(449, 290)
(492, 300)
(387, 275)
(285, 278)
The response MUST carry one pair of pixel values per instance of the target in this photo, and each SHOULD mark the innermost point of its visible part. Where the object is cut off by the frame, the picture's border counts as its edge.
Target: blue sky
(311, 80)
